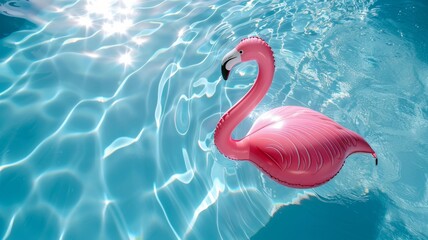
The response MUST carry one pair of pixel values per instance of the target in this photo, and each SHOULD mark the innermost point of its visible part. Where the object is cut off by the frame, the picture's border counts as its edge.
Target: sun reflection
(139, 40)
(101, 7)
(126, 59)
(91, 55)
(85, 21)
(120, 27)
(126, 11)
(58, 10)
(107, 202)
(181, 32)
(112, 16)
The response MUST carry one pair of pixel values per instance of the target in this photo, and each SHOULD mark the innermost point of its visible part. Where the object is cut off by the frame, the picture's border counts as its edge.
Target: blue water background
(107, 113)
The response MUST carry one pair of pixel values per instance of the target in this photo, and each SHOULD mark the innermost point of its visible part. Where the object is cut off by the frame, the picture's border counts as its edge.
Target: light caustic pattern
(108, 110)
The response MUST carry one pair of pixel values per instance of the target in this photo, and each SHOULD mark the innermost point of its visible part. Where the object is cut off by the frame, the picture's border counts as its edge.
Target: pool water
(108, 107)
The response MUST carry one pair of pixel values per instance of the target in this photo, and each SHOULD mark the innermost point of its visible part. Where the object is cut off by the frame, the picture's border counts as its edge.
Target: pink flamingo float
(296, 146)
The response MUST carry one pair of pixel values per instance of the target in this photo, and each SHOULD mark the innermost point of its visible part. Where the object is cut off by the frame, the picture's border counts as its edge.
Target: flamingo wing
(300, 147)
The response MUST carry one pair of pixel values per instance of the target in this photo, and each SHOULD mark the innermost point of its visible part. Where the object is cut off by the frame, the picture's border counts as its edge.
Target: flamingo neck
(239, 149)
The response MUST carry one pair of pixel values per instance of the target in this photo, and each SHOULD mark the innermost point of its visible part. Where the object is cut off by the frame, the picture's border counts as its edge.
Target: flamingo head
(252, 48)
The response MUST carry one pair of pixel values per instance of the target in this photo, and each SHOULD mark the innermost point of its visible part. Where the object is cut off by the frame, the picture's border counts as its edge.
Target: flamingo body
(299, 147)
(296, 146)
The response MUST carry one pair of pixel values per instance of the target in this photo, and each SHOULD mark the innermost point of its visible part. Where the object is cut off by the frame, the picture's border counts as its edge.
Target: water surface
(108, 109)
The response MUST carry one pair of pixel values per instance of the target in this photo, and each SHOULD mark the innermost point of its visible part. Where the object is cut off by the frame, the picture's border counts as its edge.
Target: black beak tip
(224, 72)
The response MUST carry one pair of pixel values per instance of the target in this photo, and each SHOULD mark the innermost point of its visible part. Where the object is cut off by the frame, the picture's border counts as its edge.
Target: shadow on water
(316, 218)
(10, 25)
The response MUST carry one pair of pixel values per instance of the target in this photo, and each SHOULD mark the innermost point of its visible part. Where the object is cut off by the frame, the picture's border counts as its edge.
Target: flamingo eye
(241, 52)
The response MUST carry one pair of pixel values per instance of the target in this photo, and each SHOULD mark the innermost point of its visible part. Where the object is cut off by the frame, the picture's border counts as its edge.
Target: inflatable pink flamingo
(296, 146)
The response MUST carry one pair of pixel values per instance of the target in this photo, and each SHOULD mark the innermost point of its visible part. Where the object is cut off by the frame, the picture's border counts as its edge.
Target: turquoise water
(108, 107)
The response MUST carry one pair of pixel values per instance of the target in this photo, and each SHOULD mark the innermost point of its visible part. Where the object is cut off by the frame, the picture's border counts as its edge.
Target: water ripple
(109, 107)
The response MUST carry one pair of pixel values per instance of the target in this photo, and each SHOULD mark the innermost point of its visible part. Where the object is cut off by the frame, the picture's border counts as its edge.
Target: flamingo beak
(231, 59)
(224, 72)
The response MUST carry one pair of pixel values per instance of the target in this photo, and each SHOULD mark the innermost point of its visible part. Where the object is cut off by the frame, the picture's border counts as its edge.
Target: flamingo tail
(363, 147)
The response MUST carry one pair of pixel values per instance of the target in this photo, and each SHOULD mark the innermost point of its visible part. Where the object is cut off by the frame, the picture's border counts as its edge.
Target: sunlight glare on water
(108, 109)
